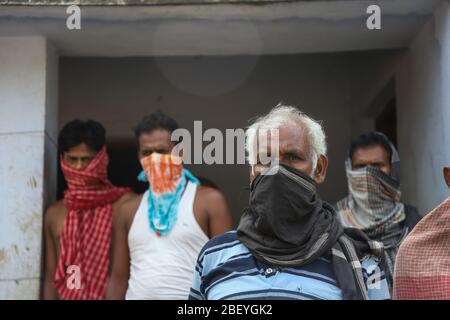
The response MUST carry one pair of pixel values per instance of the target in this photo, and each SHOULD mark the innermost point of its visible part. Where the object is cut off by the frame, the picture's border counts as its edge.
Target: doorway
(386, 121)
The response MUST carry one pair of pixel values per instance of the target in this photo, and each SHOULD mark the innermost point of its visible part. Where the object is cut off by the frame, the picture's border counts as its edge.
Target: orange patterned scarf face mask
(167, 180)
(163, 172)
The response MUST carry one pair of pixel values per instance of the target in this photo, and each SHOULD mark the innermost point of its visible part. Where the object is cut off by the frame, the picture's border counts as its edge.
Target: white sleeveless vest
(163, 267)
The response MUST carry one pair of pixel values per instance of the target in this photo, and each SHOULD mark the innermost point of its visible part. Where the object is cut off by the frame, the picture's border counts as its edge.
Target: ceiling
(217, 28)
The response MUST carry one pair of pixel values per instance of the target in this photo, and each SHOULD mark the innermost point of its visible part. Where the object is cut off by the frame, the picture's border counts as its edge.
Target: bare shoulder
(55, 216)
(130, 203)
(211, 200)
(124, 198)
(210, 195)
(215, 208)
(56, 211)
(127, 208)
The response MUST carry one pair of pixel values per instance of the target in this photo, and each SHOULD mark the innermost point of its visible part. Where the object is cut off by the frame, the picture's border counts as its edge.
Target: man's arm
(50, 258)
(119, 268)
(219, 217)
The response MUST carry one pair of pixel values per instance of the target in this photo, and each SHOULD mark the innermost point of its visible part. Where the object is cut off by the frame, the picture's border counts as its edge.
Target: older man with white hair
(289, 243)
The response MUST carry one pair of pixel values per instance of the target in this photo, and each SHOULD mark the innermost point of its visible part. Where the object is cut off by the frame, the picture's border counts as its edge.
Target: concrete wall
(28, 118)
(223, 92)
(423, 95)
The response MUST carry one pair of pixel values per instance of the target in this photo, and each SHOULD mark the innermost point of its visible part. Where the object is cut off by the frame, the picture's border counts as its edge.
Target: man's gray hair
(288, 115)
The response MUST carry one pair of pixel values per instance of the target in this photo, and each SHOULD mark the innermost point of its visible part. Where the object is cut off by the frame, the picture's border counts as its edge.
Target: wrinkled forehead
(288, 137)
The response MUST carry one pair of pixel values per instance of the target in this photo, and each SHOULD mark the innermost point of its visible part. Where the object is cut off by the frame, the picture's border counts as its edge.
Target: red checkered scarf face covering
(422, 269)
(86, 235)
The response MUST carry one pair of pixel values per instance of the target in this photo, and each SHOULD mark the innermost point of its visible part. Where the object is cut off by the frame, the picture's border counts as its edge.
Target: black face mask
(286, 223)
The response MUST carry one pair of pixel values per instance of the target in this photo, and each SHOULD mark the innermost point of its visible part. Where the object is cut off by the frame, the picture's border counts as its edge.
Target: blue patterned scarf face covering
(167, 182)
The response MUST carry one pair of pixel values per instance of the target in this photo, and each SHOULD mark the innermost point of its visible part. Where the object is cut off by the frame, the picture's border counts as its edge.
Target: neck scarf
(167, 179)
(422, 269)
(373, 206)
(286, 224)
(86, 235)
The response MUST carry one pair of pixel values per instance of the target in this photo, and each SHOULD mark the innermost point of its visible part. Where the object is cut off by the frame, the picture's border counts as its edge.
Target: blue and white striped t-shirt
(227, 270)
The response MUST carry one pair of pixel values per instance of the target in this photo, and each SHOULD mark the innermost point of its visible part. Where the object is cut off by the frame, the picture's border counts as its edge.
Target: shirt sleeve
(196, 288)
(375, 279)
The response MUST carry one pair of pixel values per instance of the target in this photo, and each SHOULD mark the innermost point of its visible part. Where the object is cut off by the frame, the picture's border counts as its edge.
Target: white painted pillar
(423, 100)
(28, 133)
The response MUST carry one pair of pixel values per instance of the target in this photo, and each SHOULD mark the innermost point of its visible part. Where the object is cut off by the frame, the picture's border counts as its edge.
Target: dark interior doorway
(386, 122)
(124, 166)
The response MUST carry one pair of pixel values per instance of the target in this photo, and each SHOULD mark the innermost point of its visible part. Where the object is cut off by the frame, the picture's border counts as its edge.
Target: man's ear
(447, 175)
(181, 151)
(252, 173)
(321, 169)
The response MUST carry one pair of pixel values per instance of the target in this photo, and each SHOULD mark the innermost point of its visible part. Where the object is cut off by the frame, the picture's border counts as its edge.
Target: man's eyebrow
(371, 163)
(292, 150)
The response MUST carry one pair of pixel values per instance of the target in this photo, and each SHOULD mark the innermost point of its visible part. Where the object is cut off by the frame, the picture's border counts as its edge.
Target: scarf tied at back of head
(86, 235)
(167, 180)
(373, 206)
(286, 224)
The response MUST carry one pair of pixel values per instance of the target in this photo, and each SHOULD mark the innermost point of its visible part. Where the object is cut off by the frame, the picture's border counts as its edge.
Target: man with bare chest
(78, 228)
